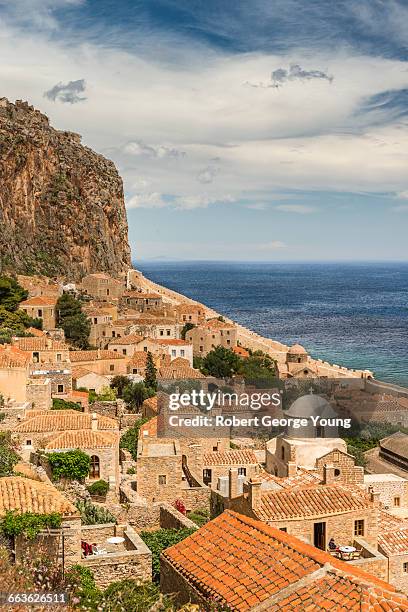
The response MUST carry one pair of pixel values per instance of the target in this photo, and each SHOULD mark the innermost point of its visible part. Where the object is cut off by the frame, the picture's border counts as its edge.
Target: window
(201, 349)
(124, 351)
(397, 502)
(36, 357)
(162, 332)
(111, 367)
(40, 312)
(94, 470)
(319, 431)
(95, 320)
(173, 352)
(60, 388)
(113, 334)
(215, 449)
(207, 476)
(162, 479)
(134, 371)
(285, 529)
(168, 332)
(405, 567)
(228, 341)
(336, 472)
(182, 352)
(59, 357)
(359, 527)
(241, 471)
(29, 442)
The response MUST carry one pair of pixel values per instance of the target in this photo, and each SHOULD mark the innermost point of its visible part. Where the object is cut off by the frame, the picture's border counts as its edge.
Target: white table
(115, 540)
(347, 551)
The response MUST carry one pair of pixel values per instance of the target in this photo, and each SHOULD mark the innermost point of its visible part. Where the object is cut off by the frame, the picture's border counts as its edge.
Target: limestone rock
(62, 210)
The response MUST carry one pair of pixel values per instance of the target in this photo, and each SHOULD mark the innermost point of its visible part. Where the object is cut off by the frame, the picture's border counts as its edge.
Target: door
(319, 535)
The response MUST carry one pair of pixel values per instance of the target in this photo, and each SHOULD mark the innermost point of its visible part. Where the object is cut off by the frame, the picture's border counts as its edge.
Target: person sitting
(332, 544)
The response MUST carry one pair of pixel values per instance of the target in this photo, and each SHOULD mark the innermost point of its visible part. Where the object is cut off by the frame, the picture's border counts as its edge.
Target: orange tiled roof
(80, 371)
(35, 332)
(130, 339)
(240, 563)
(232, 457)
(26, 495)
(78, 356)
(42, 343)
(311, 500)
(139, 358)
(86, 438)
(63, 420)
(151, 402)
(394, 542)
(217, 324)
(178, 373)
(238, 350)
(39, 300)
(149, 428)
(303, 477)
(13, 357)
(171, 341)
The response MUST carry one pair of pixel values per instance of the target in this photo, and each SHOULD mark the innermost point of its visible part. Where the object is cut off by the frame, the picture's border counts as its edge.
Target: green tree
(107, 394)
(73, 465)
(11, 293)
(8, 456)
(29, 524)
(60, 404)
(221, 363)
(129, 594)
(118, 383)
(15, 323)
(150, 378)
(130, 438)
(258, 368)
(161, 539)
(73, 321)
(185, 329)
(134, 394)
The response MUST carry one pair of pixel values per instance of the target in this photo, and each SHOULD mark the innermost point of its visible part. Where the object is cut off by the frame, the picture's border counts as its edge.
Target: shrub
(185, 329)
(118, 383)
(131, 595)
(150, 378)
(94, 515)
(8, 456)
(60, 404)
(73, 465)
(200, 517)
(73, 321)
(135, 394)
(130, 438)
(29, 524)
(160, 539)
(100, 487)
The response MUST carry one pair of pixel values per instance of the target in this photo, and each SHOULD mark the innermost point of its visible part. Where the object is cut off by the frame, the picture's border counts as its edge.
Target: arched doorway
(94, 470)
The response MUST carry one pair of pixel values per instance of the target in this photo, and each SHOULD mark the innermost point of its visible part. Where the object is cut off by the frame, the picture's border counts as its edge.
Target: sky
(264, 130)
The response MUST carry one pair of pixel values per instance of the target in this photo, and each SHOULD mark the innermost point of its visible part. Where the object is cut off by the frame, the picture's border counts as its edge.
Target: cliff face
(62, 209)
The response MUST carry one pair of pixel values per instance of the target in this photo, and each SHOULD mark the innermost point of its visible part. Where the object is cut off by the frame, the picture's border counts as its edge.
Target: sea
(351, 314)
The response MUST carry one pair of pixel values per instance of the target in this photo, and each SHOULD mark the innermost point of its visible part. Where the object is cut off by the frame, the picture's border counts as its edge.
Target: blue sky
(246, 130)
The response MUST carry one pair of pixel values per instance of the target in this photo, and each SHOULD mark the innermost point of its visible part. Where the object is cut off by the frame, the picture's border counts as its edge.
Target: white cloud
(146, 200)
(299, 209)
(403, 195)
(271, 246)
(192, 202)
(139, 148)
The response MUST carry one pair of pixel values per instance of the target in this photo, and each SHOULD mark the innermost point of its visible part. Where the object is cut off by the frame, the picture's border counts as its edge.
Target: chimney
(94, 421)
(254, 487)
(292, 469)
(328, 474)
(233, 483)
(375, 495)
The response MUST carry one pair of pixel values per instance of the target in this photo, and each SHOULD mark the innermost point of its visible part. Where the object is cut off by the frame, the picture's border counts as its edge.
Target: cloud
(139, 148)
(198, 201)
(67, 92)
(294, 73)
(257, 206)
(207, 175)
(389, 105)
(274, 245)
(402, 195)
(299, 209)
(146, 200)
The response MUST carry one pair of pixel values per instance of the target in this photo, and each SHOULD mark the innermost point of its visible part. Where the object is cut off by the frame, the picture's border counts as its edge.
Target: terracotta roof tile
(26, 495)
(35, 332)
(13, 357)
(86, 438)
(78, 356)
(173, 341)
(130, 339)
(232, 457)
(39, 300)
(40, 343)
(178, 373)
(63, 420)
(394, 542)
(240, 563)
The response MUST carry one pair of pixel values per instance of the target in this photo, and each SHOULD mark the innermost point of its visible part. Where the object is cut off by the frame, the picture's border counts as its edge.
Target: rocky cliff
(62, 209)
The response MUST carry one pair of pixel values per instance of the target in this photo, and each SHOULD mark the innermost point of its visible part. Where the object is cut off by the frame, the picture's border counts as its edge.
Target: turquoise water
(351, 314)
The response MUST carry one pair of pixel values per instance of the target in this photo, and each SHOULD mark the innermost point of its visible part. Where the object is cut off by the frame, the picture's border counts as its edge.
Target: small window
(59, 357)
(405, 567)
(285, 529)
(29, 442)
(162, 332)
(337, 472)
(162, 479)
(60, 388)
(168, 332)
(134, 371)
(40, 312)
(173, 352)
(111, 367)
(242, 471)
(359, 527)
(182, 352)
(36, 357)
(124, 351)
(319, 431)
(207, 476)
(397, 502)
(201, 349)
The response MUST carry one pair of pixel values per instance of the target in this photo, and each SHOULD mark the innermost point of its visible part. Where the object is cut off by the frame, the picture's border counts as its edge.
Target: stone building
(41, 307)
(218, 464)
(142, 302)
(394, 545)
(14, 373)
(102, 447)
(44, 350)
(178, 369)
(177, 348)
(190, 313)
(302, 446)
(394, 449)
(39, 393)
(60, 378)
(86, 379)
(126, 345)
(206, 336)
(156, 327)
(103, 362)
(102, 286)
(238, 563)
(34, 433)
(392, 489)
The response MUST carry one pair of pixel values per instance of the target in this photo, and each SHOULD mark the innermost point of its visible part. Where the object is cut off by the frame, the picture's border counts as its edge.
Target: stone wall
(171, 518)
(195, 498)
(173, 583)
(110, 409)
(134, 563)
(129, 419)
(390, 490)
(396, 574)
